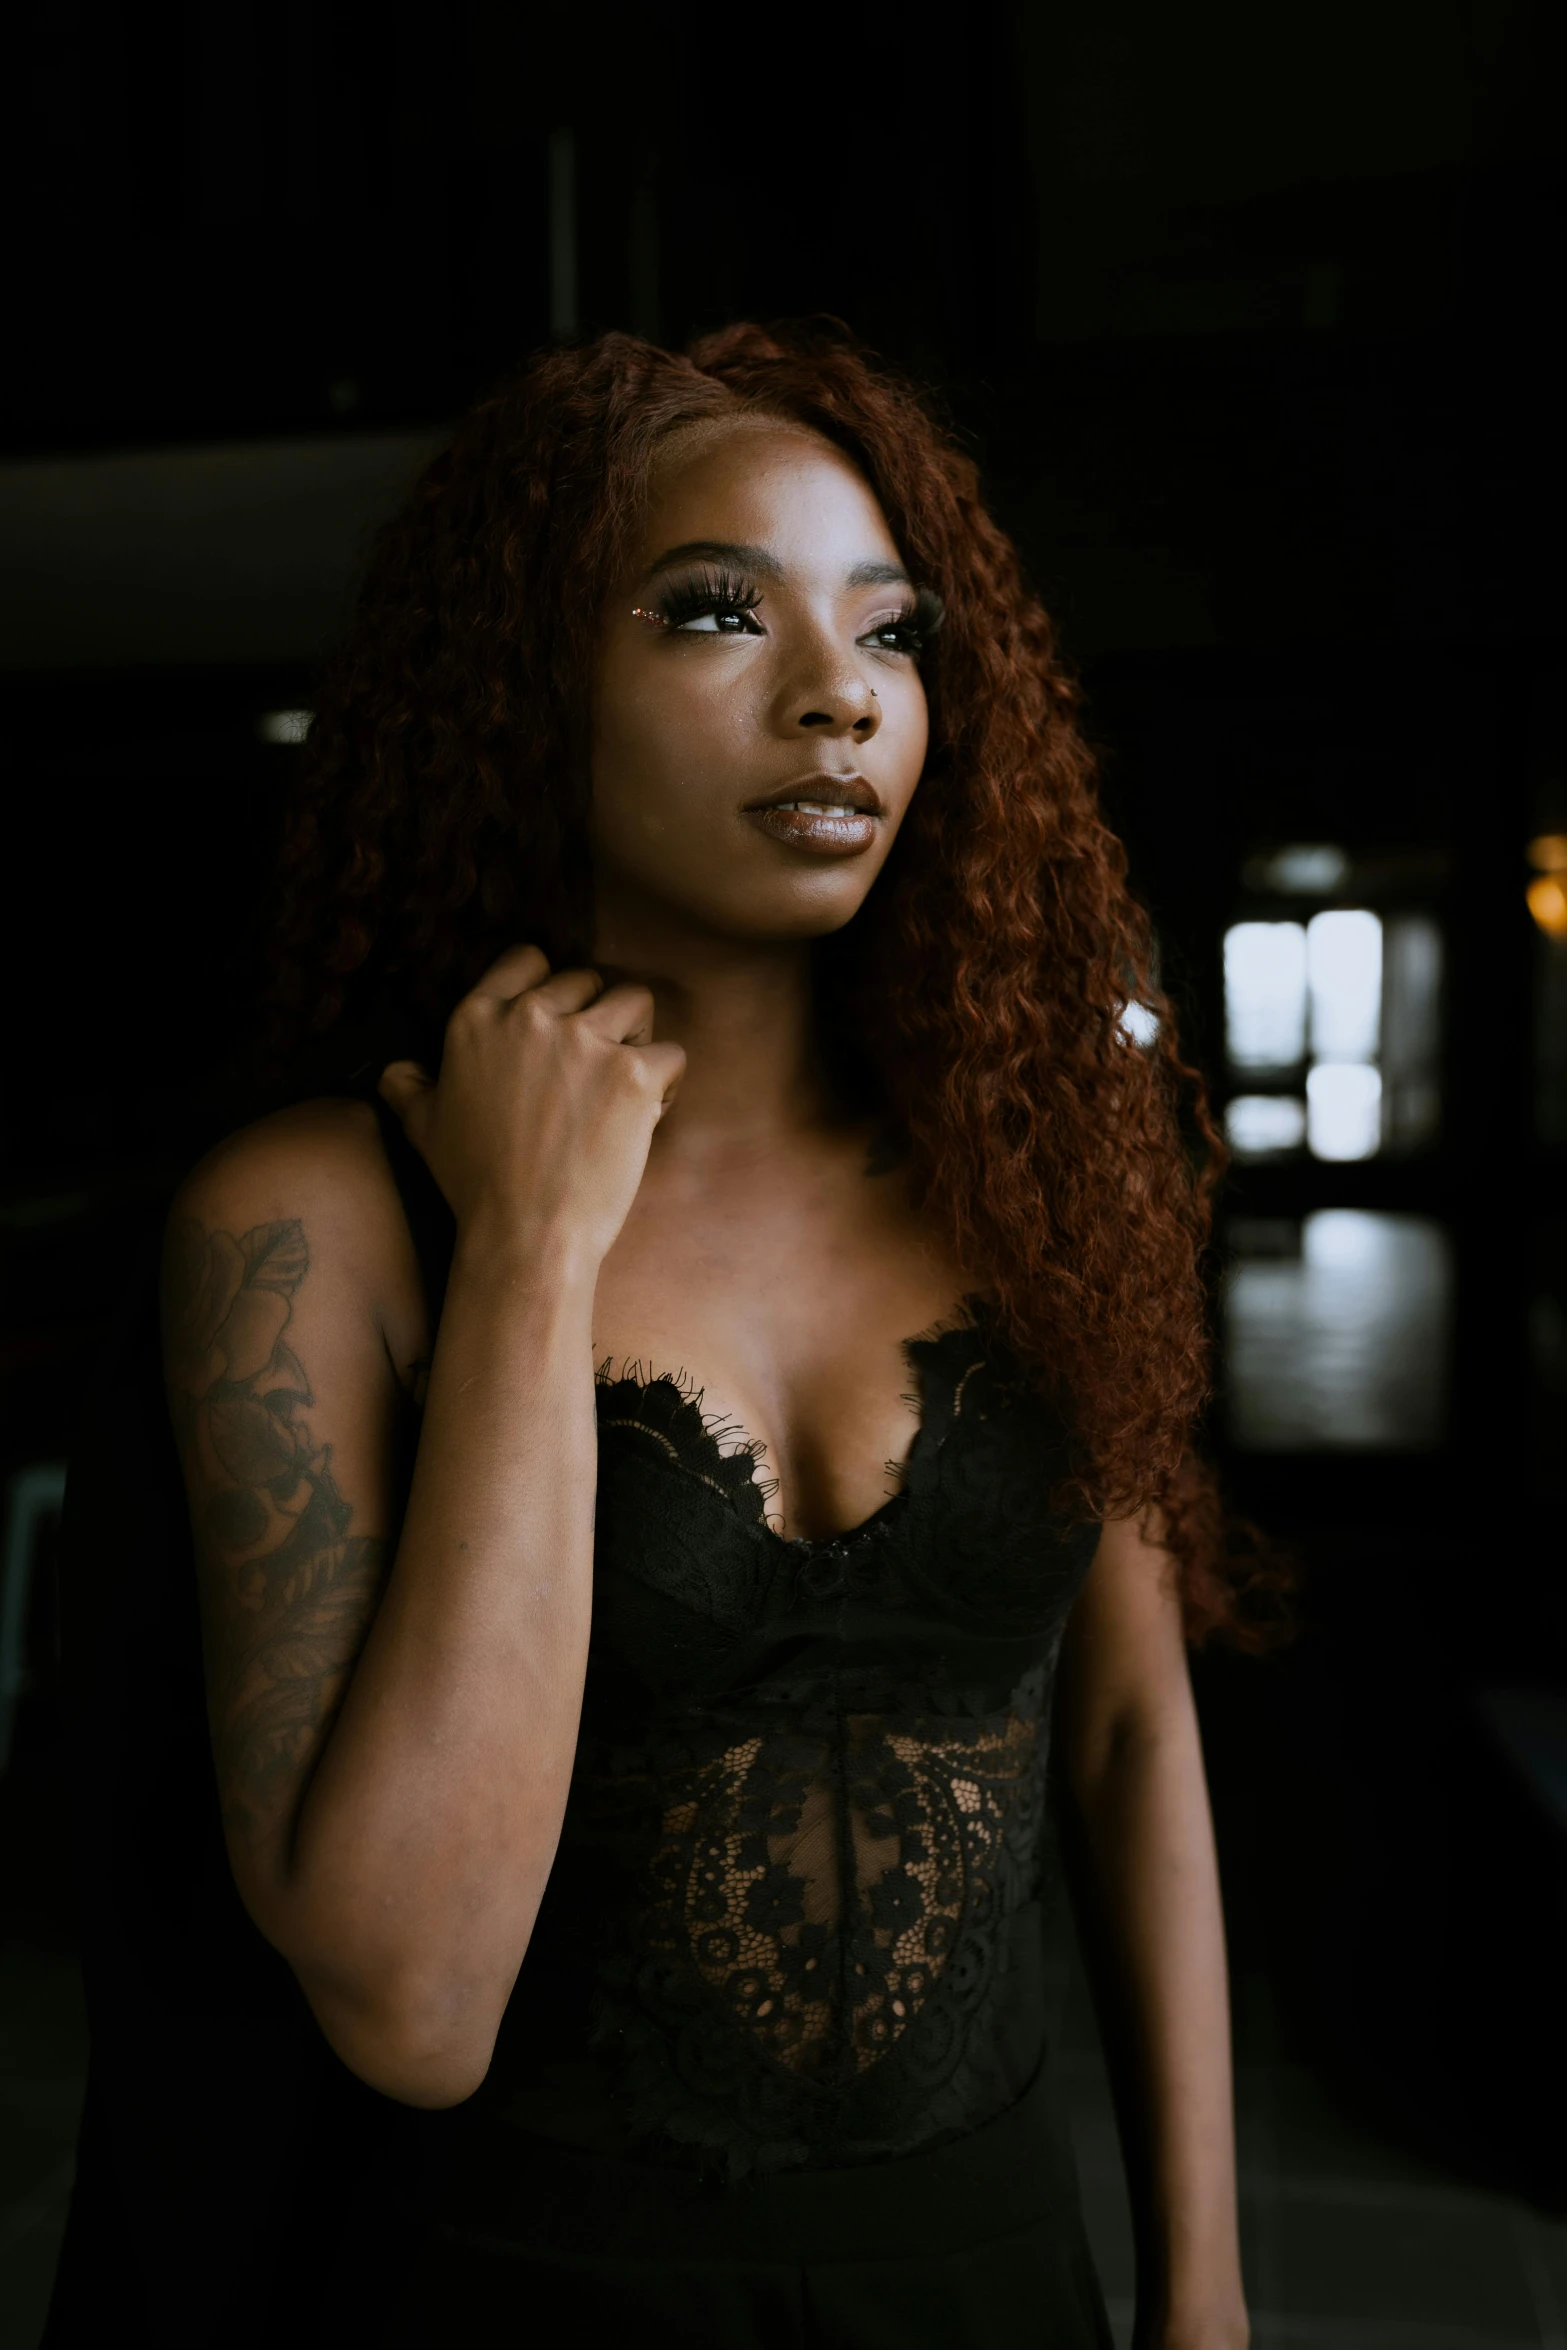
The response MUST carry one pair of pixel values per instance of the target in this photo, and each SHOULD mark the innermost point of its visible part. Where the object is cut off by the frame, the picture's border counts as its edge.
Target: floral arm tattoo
(289, 1593)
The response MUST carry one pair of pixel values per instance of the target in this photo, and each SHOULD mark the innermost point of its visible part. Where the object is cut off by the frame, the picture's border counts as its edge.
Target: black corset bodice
(794, 1918)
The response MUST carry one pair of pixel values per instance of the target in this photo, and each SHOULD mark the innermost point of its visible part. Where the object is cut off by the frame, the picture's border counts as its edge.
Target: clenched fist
(537, 1130)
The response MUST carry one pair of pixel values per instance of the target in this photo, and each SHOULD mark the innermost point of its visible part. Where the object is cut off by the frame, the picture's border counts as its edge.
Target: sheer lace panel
(823, 1892)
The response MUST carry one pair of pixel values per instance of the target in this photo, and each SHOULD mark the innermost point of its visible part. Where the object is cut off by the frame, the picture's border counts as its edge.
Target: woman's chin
(798, 915)
(812, 902)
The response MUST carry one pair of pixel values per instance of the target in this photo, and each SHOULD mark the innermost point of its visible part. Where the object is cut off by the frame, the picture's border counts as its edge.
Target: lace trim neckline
(668, 1407)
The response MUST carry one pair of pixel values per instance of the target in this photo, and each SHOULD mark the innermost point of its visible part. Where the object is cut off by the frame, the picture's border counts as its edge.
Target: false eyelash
(725, 591)
(922, 622)
(919, 624)
(706, 591)
(928, 614)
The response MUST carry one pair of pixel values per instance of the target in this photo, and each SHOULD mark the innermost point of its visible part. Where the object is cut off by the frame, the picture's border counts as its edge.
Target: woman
(659, 1845)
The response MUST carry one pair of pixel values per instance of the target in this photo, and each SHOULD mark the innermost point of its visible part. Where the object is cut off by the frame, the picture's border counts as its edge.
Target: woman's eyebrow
(719, 551)
(762, 561)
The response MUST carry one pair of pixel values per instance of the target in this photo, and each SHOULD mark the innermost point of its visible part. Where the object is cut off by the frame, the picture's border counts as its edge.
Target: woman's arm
(1133, 1761)
(394, 1712)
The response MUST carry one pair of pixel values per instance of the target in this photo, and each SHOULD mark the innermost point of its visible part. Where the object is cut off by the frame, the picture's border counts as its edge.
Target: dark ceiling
(1250, 313)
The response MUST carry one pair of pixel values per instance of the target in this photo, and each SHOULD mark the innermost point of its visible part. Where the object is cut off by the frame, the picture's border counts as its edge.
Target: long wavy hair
(442, 815)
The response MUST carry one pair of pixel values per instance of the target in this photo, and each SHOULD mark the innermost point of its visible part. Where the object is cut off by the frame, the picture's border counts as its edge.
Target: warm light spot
(1548, 904)
(1548, 853)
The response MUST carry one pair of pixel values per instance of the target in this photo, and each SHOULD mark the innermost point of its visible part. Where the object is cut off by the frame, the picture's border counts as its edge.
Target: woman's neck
(744, 1012)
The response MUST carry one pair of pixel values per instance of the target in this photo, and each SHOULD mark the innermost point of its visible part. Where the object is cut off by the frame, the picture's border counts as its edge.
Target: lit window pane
(1344, 972)
(1258, 1125)
(1344, 1111)
(284, 726)
(1305, 869)
(1411, 1031)
(1265, 994)
(1340, 1342)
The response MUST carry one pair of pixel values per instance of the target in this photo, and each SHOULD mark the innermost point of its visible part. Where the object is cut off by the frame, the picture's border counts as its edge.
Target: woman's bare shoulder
(328, 1151)
(323, 1165)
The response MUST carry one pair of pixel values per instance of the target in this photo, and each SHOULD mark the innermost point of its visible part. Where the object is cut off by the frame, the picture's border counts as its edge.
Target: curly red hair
(442, 816)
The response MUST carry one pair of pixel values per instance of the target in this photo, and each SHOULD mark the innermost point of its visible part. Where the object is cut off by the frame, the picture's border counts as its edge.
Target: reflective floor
(1347, 2243)
(1336, 1332)
(43, 2036)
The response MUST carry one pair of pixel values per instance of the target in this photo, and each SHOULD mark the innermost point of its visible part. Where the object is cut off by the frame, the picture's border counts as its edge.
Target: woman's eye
(719, 620)
(894, 636)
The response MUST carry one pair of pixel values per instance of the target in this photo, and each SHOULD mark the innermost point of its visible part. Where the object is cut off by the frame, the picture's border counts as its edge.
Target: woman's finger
(624, 1014)
(568, 991)
(402, 1085)
(512, 974)
(666, 1065)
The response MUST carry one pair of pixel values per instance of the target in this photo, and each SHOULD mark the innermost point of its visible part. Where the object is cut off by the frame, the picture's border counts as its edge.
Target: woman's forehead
(737, 478)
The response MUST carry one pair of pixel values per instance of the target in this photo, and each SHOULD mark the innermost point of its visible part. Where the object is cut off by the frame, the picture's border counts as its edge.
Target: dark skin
(757, 1173)
(646, 1162)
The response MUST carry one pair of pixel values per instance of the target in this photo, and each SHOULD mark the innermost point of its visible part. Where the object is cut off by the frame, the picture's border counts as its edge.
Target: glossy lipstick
(826, 815)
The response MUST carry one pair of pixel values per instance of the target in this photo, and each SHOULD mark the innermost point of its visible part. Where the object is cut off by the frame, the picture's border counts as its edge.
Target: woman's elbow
(409, 2048)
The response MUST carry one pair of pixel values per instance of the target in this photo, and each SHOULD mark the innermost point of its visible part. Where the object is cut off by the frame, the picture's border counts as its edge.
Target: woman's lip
(826, 831)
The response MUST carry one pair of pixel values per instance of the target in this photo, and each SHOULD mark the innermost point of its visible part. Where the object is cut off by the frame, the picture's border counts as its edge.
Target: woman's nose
(840, 702)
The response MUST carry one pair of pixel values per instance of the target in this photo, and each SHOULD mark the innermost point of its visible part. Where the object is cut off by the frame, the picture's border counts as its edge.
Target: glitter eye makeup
(723, 597)
(729, 603)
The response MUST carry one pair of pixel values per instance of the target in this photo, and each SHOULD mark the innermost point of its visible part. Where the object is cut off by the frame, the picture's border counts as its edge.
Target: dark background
(1251, 317)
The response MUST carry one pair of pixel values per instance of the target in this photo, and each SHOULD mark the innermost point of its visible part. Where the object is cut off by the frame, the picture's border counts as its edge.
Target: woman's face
(759, 724)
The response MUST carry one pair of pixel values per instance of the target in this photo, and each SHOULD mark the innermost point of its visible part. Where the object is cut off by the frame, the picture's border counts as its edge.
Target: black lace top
(794, 1919)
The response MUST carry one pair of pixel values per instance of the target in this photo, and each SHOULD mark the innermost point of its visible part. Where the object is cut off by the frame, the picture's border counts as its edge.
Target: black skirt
(974, 2245)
